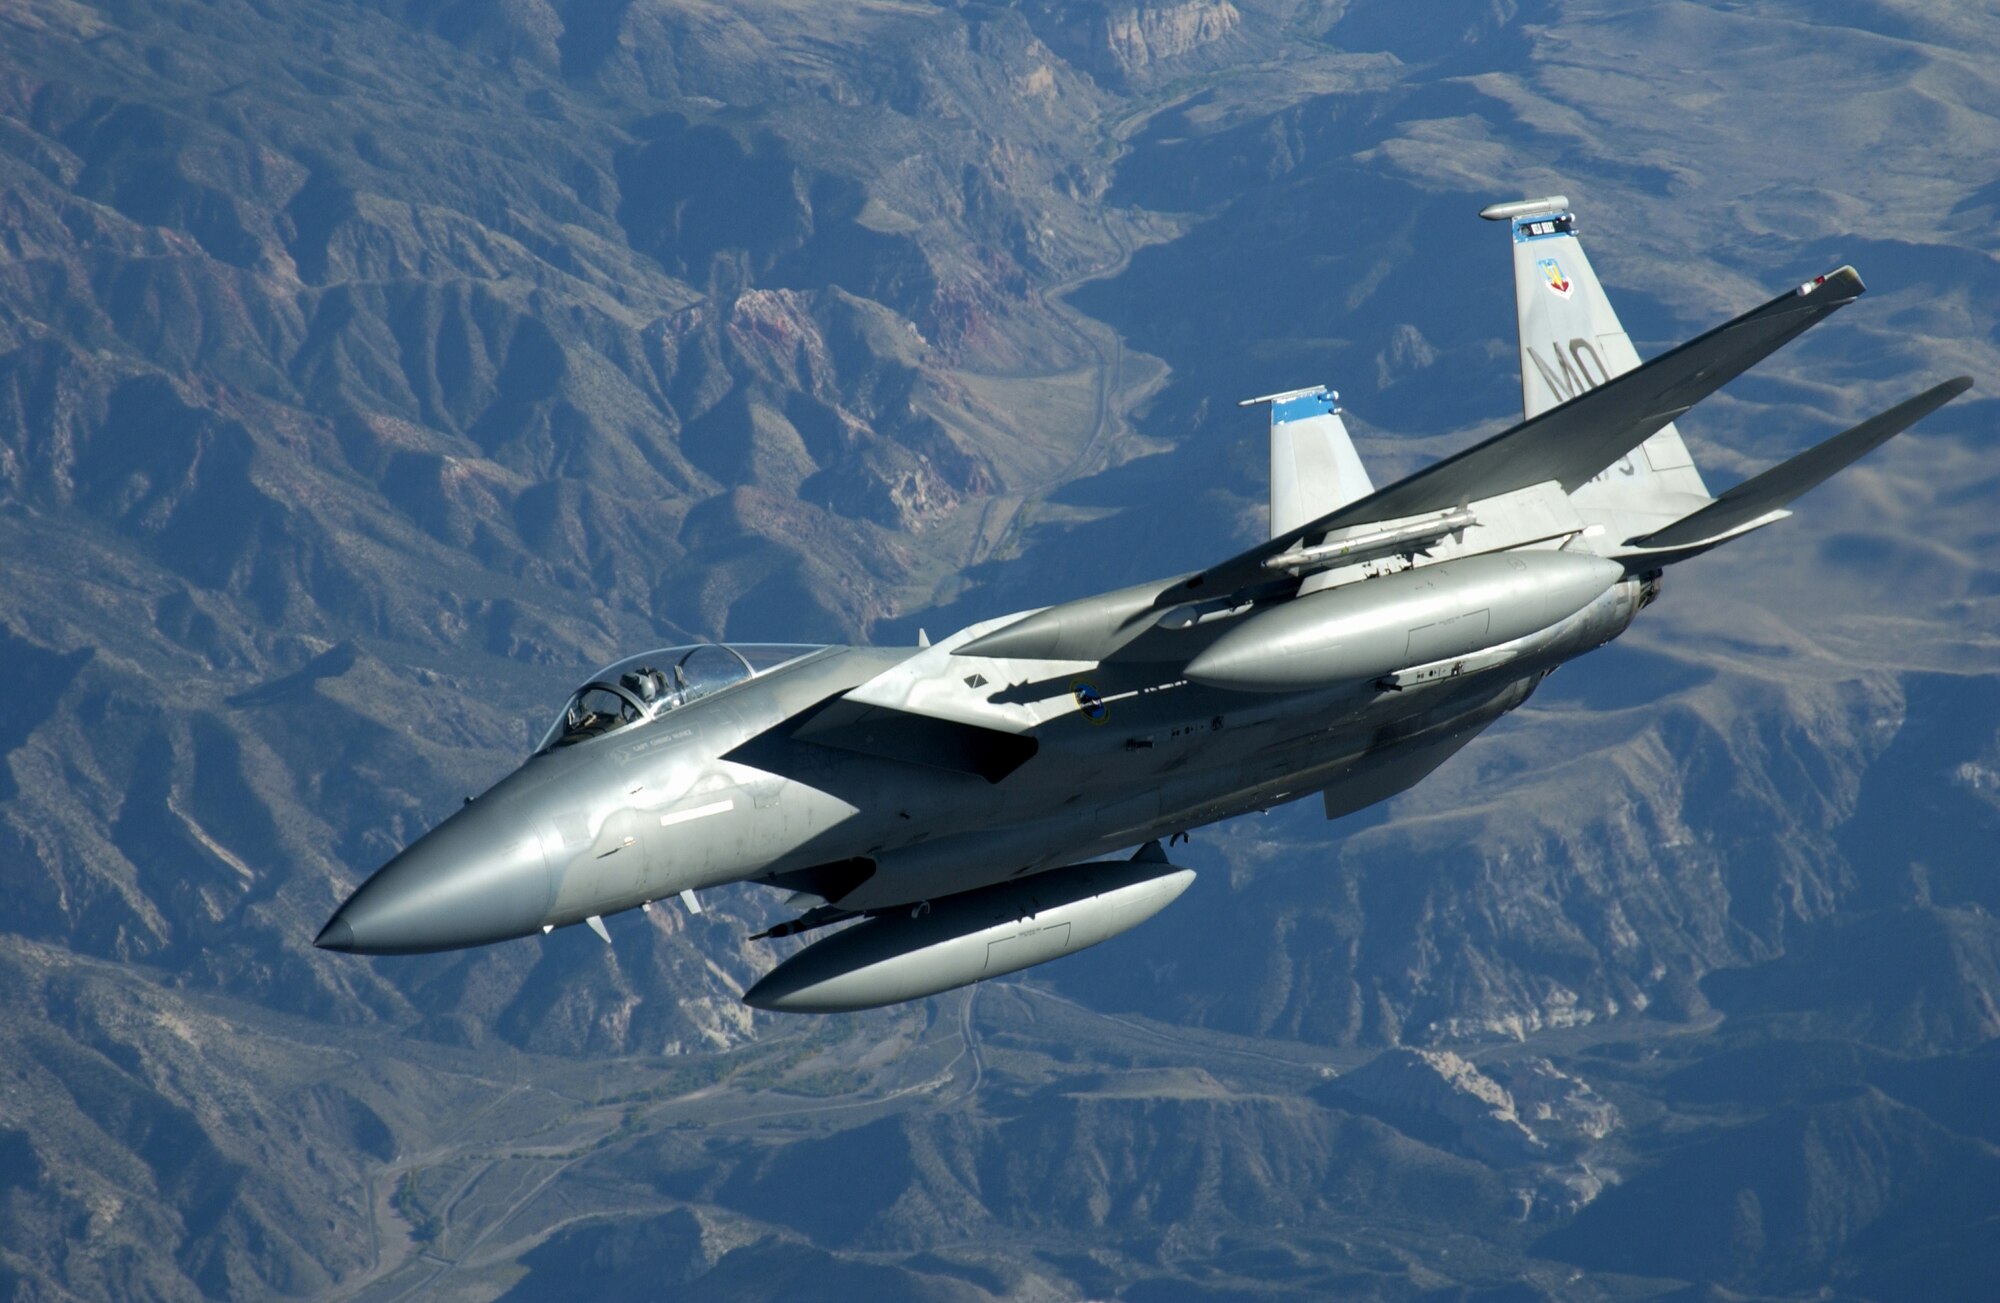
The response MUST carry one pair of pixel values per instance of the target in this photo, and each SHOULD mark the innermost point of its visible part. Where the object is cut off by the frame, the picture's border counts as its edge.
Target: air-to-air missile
(960, 807)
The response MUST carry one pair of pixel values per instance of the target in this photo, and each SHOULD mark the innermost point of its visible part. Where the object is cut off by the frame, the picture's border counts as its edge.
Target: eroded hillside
(369, 374)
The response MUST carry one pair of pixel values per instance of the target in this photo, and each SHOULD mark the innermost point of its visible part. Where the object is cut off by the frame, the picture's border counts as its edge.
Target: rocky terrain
(369, 373)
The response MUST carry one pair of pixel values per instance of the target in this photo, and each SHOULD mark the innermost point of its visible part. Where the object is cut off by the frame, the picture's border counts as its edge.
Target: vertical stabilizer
(1314, 468)
(1571, 341)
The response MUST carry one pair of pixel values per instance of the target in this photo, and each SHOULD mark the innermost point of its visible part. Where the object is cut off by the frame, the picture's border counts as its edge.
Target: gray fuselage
(1123, 751)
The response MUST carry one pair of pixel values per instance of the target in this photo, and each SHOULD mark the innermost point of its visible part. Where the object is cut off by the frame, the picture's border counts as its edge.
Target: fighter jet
(961, 809)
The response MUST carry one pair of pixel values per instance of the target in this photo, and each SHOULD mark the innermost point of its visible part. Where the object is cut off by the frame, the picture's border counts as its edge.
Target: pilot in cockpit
(647, 684)
(638, 689)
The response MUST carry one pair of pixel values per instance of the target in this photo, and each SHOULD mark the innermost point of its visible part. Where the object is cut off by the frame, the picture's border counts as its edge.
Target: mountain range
(371, 372)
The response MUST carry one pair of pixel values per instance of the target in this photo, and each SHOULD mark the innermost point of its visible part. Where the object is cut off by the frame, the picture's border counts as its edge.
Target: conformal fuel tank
(967, 938)
(1378, 626)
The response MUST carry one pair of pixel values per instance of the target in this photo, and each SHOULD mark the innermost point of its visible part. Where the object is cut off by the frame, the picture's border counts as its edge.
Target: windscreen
(651, 684)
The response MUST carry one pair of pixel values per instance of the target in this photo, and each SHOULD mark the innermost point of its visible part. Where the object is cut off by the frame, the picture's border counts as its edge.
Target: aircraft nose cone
(336, 935)
(478, 877)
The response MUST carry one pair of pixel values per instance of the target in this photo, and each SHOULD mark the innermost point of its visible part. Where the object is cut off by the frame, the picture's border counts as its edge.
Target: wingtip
(1842, 283)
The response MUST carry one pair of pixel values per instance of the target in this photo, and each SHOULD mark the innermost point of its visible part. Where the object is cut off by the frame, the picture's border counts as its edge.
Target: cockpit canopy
(652, 683)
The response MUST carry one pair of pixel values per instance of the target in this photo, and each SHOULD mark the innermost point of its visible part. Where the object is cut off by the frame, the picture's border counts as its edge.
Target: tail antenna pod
(1507, 212)
(1286, 396)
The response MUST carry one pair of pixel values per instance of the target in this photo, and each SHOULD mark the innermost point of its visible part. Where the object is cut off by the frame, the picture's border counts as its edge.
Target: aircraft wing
(927, 710)
(1568, 444)
(918, 739)
(1762, 494)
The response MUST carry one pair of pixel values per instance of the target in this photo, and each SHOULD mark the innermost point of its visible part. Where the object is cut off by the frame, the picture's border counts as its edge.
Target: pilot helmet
(645, 683)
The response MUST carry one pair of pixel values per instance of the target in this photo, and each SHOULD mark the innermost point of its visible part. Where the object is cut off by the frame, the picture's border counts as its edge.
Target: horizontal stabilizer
(927, 740)
(1765, 493)
(1571, 443)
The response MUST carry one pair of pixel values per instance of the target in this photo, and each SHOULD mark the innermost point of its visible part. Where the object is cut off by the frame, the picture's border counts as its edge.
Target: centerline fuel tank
(1379, 626)
(910, 952)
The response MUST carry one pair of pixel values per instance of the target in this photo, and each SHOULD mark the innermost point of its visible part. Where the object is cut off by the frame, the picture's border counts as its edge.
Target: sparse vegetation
(409, 1204)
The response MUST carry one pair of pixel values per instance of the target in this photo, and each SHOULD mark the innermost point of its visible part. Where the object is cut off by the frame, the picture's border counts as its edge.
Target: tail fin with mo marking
(1571, 342)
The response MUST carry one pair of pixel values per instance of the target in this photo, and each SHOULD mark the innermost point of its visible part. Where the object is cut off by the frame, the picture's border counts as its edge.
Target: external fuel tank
(917, 951)
(1378, 626)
